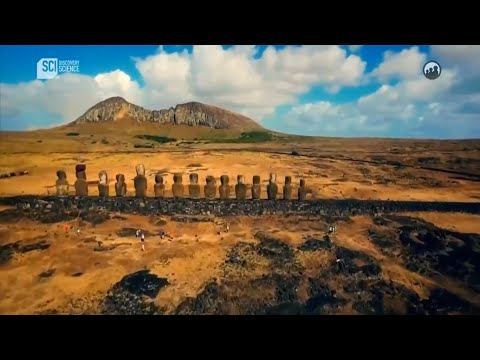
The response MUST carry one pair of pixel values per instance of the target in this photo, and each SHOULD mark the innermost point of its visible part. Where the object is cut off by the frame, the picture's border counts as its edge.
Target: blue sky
(347, 90)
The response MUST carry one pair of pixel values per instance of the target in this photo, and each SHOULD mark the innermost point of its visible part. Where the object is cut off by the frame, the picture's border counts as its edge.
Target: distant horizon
(351, 91)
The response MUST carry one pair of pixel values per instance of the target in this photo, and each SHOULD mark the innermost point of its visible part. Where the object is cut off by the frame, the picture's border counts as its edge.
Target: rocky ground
(385, 264)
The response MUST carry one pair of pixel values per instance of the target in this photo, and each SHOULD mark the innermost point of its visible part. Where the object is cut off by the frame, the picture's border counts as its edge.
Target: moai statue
(302, 190)
(272, 187)
(159, 186)
(177, 187)
(62, 183)
(256, 188)
(103, 188)
(241, 188)
(81, 185)
(140, 181)
(194, 187)
(224, 188)
(120, 185)
(210, 189)
(287, 188)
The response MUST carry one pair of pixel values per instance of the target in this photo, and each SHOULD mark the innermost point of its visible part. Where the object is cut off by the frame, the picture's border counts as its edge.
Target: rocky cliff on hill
(192, 114)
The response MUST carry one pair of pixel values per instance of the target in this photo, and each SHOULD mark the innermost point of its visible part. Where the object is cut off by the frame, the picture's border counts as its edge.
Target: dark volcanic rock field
(349, 282)
(270, 276)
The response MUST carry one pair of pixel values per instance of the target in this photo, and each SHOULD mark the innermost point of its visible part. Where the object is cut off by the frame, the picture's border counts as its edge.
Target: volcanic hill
(190, 114)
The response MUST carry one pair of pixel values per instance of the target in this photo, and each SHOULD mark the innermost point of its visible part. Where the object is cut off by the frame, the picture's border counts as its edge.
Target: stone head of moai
(140, 181)
(62, 176)
(177, 187)
(140, 169)
(81, 185)
(302, 190)
(256, 188)
(103, 188)
(120, 185)
(61, 183)
(158, 179)
(178, 178)
(241, 188)
(81, 171)
(287, 188)
(224, 188)
(103, 177)
(209, 188)
(159, 187)
(194, 187)
(272, 187)
(193, 178)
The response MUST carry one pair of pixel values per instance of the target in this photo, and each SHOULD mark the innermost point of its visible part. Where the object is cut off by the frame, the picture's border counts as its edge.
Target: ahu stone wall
(231, 207)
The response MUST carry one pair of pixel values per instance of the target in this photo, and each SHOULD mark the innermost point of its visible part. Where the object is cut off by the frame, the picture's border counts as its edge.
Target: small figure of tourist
(340, 264)
(142, 239)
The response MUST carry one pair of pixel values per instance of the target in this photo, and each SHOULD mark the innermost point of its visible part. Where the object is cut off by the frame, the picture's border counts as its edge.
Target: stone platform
(232, 207)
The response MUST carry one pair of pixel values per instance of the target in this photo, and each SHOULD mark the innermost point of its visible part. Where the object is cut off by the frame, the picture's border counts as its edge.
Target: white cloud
(232, 78)
(452, 55)
(68, 95)
(464, 60)
(355, 48)
(413, 107)
(118, 83)
(406, 64)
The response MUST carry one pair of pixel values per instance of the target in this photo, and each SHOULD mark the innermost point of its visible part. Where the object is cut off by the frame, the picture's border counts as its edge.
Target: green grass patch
(72, 134)
(158, 139)
(247, 137)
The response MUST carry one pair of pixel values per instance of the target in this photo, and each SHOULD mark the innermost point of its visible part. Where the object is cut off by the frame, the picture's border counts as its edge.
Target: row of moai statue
(209, 189)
